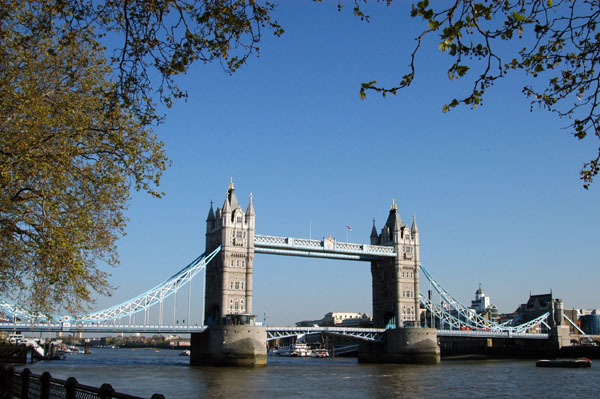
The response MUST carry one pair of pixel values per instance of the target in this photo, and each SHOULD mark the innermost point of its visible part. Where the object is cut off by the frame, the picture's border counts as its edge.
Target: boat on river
(320, 353)
(581, 362)
(298, 349)
(185, 353)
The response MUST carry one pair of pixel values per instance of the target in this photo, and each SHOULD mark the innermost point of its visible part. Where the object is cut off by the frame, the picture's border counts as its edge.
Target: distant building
(340, 319)
(337, 318)
(308, 323)
(481, 301)
(482, 306)
(536, 306)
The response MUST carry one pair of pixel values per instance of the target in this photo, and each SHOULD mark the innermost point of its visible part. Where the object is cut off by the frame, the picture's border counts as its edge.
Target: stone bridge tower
(396, 280)
(228, 289)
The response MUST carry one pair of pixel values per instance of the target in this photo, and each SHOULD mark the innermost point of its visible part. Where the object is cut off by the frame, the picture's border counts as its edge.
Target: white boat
(320, 353)
(298, 349)
(185, 353)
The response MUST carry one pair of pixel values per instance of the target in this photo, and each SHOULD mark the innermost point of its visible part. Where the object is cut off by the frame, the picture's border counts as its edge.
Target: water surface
(143, 372)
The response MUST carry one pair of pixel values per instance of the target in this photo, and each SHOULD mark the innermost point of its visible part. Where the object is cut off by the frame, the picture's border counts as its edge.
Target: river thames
(142, 372)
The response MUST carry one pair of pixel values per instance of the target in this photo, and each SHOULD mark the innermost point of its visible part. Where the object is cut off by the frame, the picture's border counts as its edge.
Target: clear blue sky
(495, 190)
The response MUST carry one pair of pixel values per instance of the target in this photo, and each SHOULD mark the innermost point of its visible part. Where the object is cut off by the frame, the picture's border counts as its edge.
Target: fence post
(25, 376)
(10, 379)
(45, 385)
(2, 380)
(106, 391)
(70, 387)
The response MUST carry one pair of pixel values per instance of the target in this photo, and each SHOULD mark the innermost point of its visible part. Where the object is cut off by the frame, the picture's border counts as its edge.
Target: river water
(142, 372)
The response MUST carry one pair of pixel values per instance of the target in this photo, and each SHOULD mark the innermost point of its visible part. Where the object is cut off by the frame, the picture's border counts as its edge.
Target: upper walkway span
(327, 248)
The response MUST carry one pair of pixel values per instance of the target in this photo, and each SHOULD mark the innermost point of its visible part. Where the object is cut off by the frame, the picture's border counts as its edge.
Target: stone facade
(232, 345)
(396, 281)
(229, 274)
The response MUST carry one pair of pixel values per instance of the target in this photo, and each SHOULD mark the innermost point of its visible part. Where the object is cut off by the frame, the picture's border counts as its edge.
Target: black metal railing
(26, 385)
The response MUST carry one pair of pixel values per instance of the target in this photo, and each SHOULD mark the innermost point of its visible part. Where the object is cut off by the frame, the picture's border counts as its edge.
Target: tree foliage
(556, 42)
(78, 81)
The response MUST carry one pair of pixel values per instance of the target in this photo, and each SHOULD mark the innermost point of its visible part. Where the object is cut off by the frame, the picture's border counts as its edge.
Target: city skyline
(495, 190)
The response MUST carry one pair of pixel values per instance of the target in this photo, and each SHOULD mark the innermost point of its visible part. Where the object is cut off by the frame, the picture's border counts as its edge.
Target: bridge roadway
(367, 334)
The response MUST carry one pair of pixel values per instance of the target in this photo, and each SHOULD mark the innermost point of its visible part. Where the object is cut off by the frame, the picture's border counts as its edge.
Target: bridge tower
(396, 280)
(229, 276)
(396, 302)
(232, 338)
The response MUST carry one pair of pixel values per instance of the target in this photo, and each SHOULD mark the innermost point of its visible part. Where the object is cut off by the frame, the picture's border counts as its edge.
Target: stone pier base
(402, 345)
(233, 345)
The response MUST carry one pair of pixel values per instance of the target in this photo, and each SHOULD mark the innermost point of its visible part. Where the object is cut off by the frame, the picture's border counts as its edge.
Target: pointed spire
(227, 204)
(250, 210)
(394, 221)
(397, 222)
(231, 201)
(231, 197)
(414, 229)
(374, 235)
(211, 214)
(373, 230)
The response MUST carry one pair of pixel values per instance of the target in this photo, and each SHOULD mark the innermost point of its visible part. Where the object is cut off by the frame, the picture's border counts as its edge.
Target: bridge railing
(366, 334)
(491, 334)
(24, 384)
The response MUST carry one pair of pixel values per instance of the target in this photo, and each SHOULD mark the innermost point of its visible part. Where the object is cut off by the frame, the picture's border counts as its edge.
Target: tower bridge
(227, 333)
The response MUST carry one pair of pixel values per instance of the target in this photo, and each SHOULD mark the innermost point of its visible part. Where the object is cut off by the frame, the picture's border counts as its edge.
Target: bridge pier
(402, 346)
(229, 345)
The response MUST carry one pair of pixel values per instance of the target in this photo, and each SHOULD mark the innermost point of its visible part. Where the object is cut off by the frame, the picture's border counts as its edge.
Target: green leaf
(518, 17)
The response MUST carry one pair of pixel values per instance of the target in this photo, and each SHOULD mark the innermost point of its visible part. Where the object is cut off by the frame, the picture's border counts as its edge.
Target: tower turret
(414, 229)
(374, 235)
(250, 209)
(210, 219)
